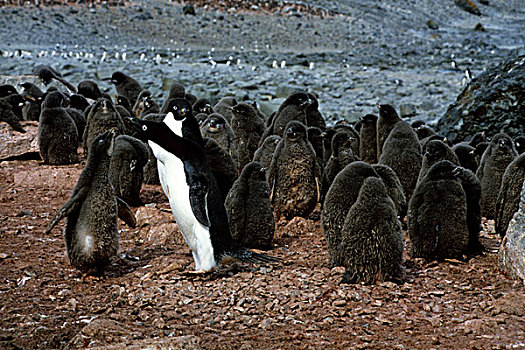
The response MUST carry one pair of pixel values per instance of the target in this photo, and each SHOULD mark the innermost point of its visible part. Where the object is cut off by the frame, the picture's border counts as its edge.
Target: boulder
(493, 102)
(511, 256)
(469, 6)
(15, 144)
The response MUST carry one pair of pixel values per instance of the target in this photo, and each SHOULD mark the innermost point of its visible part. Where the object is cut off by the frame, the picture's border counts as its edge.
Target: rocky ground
(148, 297)
(352, 54)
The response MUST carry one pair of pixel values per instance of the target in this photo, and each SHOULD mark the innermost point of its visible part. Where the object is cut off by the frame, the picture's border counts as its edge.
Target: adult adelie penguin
(192, 191)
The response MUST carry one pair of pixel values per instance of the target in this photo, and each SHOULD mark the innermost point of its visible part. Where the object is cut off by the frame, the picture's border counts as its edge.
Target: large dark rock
(512, 251)
(493, 102)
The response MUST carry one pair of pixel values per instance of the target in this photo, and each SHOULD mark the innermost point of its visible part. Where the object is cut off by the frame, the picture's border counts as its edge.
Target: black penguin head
(244, 110)
(417, 123)
(145, 129)
(104, 106)
(254, 171)
(79, 102)
(7, 89)
(478, 138)
(299, 99)
(176, 91)
(442, 170)
(369, 119)
(123, 101)
(202, 106)
(386, 111)
(341, 143)
(180, 108)
(118, 78)
(502, 143)
(435, 150)
(55, 99)
(295, 131)
(372, 188)
(215, 123)
(103, 143)
(89, 89)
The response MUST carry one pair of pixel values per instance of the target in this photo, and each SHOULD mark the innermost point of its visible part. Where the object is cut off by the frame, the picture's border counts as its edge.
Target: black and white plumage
(187, 180)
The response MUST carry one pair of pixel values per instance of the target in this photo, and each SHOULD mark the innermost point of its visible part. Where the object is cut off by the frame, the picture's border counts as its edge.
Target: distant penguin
(435, 151)
(466, 156)
(126, 169)
(393, 187)
(519, 142)
(342, 155)
(417, 123)
(102, 117)
(499, 154)
(89, 89)
(341, 195)
(47, 73)
(437, 215)
(388, 117)
(293, 108)
(264, 153)
(217, 127)
(191, 188)
(222, 165)
(31, 90)
(203, 105)
(247, 128)
(126, 86)
(57, 132)
(509, 194)
(315, 136)
(314, 118)
(91, 231)
(224, 107)
(11, 111)
(368, 139)
(402, 152)
(372, 240)
(145, 104)
(295, 176)
(249, 210)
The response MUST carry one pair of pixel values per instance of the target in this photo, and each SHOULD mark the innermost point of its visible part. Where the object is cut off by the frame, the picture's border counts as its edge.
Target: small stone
(479, 27)
(188, 10)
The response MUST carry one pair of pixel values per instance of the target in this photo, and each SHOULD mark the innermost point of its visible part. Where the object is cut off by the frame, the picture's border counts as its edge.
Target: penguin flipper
(198, 195)
(125, 213)
(71, 205)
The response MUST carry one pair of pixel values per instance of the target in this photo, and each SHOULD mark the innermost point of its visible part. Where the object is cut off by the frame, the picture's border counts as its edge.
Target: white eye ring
(144, 127)
(175, 108)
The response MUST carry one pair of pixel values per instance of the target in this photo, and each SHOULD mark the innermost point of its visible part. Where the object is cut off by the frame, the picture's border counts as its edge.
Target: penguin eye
(144, 127)
(100, 142)
(175, 108)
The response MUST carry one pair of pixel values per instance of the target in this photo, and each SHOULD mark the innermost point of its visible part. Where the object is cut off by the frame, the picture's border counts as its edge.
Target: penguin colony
(231, 173)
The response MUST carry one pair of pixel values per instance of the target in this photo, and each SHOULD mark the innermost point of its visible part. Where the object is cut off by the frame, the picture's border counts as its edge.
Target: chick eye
(175, 108)
(100, 142)
(144, 127)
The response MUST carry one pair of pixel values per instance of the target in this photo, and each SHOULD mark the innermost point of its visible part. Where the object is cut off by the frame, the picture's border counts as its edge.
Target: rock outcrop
(493, 102)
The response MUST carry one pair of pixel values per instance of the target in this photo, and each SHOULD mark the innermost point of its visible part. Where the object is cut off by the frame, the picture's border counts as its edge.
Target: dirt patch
(148, 297)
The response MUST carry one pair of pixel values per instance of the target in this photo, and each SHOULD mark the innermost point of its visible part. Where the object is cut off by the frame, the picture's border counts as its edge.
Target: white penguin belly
(173, 180)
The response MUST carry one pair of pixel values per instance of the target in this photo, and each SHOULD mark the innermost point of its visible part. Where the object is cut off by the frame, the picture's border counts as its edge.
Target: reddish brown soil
(148, 296)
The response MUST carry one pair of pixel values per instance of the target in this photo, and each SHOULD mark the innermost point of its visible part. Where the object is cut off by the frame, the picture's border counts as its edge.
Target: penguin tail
(246, 255)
